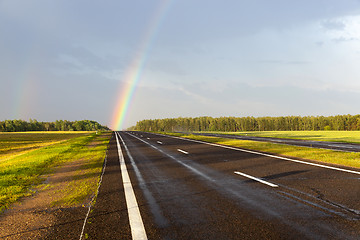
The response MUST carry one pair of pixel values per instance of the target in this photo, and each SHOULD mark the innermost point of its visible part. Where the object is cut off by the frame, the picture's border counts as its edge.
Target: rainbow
(133, 73)
(25, 88)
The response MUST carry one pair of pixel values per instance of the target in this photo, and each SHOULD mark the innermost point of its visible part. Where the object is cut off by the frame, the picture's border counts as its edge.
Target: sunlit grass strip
(321, 155)
(19, 174)
(85, 179)
(15, 143)
(332, 136)
(15, 152)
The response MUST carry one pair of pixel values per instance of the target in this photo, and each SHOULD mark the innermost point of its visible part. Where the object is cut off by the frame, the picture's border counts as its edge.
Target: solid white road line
(154, 206)
(93, 199)
(136, 223)
(183, 151)
(159, 142)
(265, 154)
(257, 179)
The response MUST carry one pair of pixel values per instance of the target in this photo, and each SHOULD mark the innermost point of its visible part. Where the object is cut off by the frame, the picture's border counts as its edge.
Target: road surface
(162, 187)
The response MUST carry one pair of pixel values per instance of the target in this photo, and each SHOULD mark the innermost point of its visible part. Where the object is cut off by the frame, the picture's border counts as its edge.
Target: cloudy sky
(67, 59)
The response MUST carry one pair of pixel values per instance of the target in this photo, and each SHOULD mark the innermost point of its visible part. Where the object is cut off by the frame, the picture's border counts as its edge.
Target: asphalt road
(186, 189)
(339, 146)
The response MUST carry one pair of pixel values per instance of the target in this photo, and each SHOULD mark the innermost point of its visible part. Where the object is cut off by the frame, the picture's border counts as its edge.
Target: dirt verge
(35, 217)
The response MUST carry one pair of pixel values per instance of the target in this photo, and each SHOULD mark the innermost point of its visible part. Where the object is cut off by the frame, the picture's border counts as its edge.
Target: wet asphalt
(188, 190)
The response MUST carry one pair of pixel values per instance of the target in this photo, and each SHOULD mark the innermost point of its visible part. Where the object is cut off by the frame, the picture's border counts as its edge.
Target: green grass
(17, 143)
(85, 179)
(321, 155)
(332, 136)
(21, 173)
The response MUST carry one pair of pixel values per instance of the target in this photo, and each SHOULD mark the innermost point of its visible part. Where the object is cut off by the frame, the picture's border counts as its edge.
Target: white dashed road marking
(257, 179)
(182, 151)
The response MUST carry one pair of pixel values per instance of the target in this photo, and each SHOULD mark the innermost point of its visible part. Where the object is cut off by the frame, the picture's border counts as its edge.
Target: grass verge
(321, 155)
(331, 136)
(20, 174)
(84, 180)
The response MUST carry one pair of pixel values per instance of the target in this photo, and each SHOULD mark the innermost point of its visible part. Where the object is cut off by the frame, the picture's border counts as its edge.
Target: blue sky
(66, 59)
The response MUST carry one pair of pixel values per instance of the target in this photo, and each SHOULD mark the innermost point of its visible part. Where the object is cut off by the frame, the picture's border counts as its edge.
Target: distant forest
(58, 125)
(234, 124)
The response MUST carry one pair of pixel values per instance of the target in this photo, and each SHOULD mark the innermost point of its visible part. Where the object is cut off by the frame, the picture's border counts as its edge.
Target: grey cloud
(80, 58)
(287, 62)
(21, 41)
(293, 100)
(320, 43)
(76, 97)
(245, 20)
(333, 25)
(167, 66)
(344, 39)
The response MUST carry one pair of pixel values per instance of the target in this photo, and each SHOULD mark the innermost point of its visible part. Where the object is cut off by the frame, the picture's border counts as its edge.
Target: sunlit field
(17, 143)
(333, 136)
(25, 158)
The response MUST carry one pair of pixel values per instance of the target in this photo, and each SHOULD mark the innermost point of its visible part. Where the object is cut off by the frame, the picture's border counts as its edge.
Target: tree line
(58, 125)
(234, 124)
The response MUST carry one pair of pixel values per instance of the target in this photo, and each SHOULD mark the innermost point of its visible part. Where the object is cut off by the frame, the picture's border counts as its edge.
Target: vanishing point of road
(162, 187)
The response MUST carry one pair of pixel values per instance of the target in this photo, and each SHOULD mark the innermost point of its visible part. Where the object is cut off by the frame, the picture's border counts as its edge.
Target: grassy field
(17, 143)
(333, 136)
(321, 155)
(26, 157)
